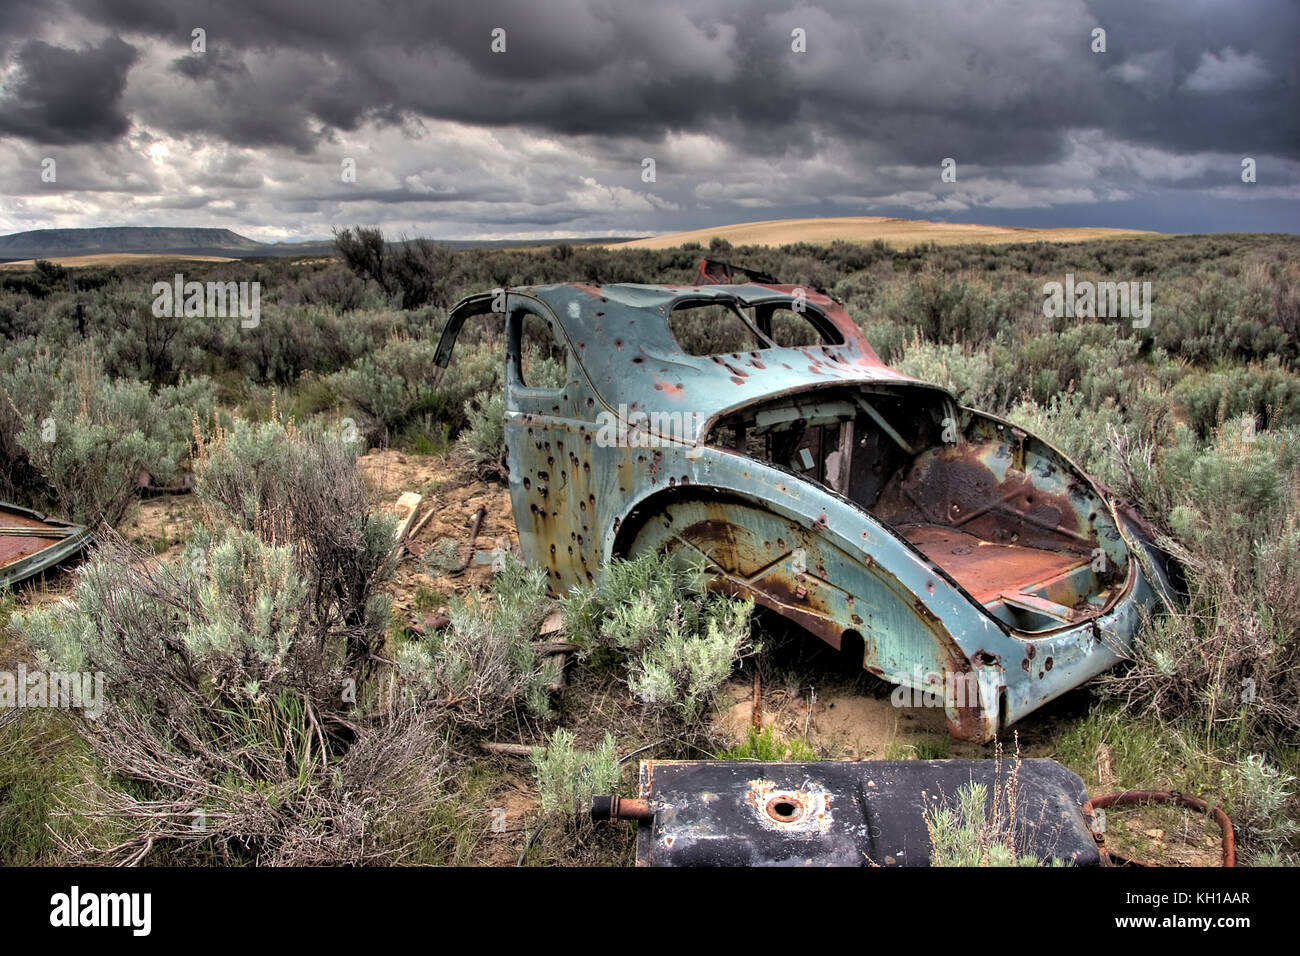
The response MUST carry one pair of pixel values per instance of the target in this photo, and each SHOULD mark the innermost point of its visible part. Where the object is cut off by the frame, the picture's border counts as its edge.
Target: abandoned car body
(959, 556)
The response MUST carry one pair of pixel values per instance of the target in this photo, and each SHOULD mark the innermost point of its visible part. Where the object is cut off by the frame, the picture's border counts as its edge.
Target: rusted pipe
(620, 808)
(475, 524)
(1129, 798)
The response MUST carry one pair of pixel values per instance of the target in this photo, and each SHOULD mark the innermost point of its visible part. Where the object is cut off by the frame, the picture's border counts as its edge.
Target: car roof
(620, 335)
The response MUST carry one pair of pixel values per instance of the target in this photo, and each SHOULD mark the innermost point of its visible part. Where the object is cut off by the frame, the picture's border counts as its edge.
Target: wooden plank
(405, 509)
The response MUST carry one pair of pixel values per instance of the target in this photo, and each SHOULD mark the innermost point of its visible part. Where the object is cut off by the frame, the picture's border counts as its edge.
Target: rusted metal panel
(827, 486)
(30, 543)
(840, 813)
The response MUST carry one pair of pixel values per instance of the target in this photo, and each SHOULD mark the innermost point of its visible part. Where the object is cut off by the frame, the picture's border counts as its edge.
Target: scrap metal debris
(31, 542)
(1095, 808)
(869, 813)
(841, 813)
(475, 525)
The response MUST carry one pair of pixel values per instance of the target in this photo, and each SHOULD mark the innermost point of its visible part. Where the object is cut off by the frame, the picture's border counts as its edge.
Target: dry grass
(899, 233)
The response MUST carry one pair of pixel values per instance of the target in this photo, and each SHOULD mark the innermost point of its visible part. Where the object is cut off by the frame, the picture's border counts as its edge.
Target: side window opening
(542, 360)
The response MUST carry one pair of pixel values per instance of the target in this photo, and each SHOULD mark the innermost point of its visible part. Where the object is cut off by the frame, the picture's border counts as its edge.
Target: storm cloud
(494, 118)
(65, 95)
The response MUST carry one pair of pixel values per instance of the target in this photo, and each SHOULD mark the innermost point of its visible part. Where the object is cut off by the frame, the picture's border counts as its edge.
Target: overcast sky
(548, 138)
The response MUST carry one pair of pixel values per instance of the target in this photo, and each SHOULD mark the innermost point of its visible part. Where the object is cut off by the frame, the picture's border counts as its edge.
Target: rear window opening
(717, 328)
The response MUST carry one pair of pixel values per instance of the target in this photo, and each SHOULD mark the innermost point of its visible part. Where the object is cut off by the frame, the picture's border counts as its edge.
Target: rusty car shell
(964, 559)
(31, 542)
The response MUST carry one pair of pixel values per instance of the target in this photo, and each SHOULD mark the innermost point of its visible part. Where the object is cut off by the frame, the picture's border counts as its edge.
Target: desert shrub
(302, 490)
(1262, 799)
(567, 778)
(1209, 317)
(333, 287)
(400, 383)
(363, 250)
(422, 273)
(19, 479)
(1093, 359)
(416, 272)
(887, 337)
(134, 343)
(969, 308)
(1268, 393)
(88, 436)
(484, 667)
(967, 374)
(1231, 656)
(485, 438)
(217, 746)
(286, 342)
(683, 669)
(656, 622)
(227, 733)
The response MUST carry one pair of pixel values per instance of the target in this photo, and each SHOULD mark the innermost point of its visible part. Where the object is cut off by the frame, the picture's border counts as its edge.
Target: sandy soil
(836, 717)
(161, 524)
(899, 233)
(453, 494)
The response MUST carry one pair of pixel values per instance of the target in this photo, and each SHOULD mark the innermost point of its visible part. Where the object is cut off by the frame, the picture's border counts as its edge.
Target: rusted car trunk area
(1003, 516)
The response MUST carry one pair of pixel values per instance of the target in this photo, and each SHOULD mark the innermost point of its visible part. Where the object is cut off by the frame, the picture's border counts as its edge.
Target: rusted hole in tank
(785, 808)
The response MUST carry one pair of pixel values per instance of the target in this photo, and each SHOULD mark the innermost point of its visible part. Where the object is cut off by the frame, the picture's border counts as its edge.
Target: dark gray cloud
(67, 95)
(1018, 72)
(710, 88)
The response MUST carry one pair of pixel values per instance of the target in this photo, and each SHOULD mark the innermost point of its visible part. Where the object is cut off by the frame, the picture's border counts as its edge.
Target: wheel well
(648, 507)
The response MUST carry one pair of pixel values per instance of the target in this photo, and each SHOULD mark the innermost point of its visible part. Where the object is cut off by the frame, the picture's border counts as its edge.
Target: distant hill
(220, 243)
(899, 233)
(47, 243)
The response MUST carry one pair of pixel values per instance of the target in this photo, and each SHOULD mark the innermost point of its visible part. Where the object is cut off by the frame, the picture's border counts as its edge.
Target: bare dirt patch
(453, 494)
(836, 717)
(161, 525)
